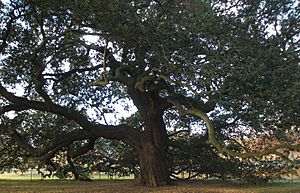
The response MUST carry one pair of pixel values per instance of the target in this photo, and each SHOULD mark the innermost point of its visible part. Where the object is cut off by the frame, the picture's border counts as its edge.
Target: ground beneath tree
(8, 186)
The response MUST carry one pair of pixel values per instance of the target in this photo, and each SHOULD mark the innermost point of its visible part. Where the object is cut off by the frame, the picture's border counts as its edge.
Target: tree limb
(49, 150)
(223, 149)
(178, 132)
(67, 74)
(84, 149)
(39, 79)
(120, 132)
(12, 107)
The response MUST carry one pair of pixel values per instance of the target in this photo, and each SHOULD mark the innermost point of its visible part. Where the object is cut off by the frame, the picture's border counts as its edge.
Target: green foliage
(237, 61)
(262, 171)
(190, 155)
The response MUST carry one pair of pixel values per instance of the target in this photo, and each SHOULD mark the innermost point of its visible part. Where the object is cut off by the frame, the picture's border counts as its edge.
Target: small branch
(84, 149)
(192, 103)
(109, 61)
(177, 132)
(84, 33)
(65, 75)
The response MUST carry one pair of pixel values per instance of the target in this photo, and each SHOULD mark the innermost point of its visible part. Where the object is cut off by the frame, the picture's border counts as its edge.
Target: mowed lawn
(120, 186)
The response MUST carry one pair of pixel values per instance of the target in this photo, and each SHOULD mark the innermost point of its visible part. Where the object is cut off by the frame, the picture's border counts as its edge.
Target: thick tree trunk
(153, 165)
(151, 143)
(152, 151)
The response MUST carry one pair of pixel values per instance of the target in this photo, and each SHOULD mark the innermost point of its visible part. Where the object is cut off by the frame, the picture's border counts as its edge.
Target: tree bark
(154, 170)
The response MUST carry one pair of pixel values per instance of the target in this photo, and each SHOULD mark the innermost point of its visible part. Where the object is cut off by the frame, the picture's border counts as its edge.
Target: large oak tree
(232, 64)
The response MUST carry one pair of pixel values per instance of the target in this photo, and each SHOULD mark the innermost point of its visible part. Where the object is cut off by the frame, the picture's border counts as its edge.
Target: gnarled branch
(222, 148)
(50, 149)
(120, 132)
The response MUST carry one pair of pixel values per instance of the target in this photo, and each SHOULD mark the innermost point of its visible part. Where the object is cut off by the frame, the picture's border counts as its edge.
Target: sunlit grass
(12, 176)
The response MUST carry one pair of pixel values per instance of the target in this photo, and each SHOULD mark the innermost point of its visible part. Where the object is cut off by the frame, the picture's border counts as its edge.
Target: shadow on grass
(130, 186)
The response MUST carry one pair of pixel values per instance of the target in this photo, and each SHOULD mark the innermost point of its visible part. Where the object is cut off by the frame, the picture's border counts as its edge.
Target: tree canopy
(230, 68)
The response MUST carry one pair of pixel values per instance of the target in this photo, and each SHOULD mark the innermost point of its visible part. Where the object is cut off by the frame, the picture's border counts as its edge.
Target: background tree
(236, 61)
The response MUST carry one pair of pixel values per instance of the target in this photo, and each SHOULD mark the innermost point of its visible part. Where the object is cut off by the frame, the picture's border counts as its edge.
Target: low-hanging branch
(222, 148)
(50, 149)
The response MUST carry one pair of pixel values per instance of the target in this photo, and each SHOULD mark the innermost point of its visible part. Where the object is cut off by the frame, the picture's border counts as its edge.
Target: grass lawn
(123, 186)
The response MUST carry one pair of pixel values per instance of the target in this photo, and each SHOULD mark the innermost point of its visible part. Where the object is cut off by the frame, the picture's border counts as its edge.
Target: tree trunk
(72, 167)
(154, 170)
(151, 143)
(153, 165)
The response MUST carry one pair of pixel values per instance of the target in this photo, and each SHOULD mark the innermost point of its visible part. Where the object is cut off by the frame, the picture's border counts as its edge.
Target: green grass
(123, 186)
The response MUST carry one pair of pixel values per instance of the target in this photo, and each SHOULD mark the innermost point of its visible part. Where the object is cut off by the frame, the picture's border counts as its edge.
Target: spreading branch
(222, 148)
(38, 70)
(119, 132)
(7, 108)
(48, 150)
